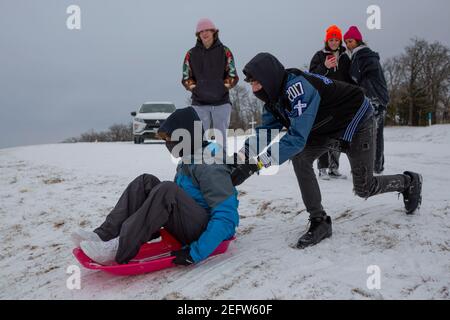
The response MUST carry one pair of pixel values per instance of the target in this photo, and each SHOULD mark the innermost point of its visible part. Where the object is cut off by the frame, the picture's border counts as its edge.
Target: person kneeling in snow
(200, 208)
(320, 114)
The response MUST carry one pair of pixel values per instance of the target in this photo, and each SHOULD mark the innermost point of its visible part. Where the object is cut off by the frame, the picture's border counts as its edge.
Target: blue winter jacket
(210, 186)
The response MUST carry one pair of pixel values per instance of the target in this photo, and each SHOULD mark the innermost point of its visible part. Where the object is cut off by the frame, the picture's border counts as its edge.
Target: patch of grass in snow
(245, 230)
(58, 224)
(53, 180)
(174, 296)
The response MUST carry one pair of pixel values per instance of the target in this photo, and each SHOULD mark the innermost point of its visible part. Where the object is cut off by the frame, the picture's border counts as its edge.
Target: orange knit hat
(333, 32)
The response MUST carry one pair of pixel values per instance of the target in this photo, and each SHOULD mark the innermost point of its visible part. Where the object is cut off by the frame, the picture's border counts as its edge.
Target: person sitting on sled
(200, 208)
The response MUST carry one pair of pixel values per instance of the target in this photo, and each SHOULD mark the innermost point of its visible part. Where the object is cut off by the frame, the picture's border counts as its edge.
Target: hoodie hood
(363, 52)
(268, 71)
(180, 119)
(216, 42)
(188, 120)
(366, 52)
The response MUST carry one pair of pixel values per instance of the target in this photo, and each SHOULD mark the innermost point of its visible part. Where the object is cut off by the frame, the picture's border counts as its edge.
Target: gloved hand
(242, 172)
(182, 256)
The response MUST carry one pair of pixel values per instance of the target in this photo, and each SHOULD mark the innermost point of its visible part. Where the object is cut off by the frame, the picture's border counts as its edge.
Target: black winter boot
(412, 196)
(319, 229)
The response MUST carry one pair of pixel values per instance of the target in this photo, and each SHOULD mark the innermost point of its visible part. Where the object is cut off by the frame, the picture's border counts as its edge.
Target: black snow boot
(412, 196)
(319, 229)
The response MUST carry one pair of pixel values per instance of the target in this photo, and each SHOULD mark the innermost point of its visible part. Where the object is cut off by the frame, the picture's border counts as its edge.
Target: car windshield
(149, 108)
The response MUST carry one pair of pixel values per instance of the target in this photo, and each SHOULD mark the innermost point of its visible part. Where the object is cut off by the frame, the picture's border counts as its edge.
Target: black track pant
(379, 153)
(329, 160)
(360, 153)
(146, 205)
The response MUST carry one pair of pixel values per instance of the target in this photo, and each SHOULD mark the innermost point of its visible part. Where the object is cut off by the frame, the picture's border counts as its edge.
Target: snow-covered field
(46, 191)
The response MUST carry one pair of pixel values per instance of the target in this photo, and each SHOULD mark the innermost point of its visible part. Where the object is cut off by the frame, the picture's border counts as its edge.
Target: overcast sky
(57, 83)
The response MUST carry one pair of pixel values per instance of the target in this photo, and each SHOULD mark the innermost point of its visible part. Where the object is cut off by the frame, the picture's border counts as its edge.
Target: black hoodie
(208, 68)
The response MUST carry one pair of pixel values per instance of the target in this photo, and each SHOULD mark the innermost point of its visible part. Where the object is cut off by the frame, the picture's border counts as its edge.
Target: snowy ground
(48, 190)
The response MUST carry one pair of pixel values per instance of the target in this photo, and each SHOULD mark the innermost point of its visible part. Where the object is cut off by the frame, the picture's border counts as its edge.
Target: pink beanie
(353, 33)
(204, 24)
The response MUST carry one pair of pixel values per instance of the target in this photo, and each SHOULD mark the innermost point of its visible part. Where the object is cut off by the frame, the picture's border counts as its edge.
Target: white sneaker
(81, 235)
(101, 252)
(323, 175)
(335, 174)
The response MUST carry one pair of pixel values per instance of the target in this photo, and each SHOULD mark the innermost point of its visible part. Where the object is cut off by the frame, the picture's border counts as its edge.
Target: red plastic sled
(151, 257)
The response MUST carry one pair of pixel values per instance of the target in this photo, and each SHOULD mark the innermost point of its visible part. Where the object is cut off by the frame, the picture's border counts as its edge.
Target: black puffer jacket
(341, 72)
(366, 71)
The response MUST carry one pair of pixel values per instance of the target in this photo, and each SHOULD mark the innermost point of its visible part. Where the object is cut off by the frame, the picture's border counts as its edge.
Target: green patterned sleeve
(231, 72)
(187, 78)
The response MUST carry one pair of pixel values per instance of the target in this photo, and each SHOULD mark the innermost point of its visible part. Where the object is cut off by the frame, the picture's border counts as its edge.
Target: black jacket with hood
(209, 69)
(366, 71)
(339, 101)
(311, 106)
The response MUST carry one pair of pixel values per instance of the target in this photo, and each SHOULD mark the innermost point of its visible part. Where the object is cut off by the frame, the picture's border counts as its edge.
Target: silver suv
(149, 118)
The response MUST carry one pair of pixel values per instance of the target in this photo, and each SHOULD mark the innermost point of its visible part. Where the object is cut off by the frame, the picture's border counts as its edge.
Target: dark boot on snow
(412, 196)
(319, 229)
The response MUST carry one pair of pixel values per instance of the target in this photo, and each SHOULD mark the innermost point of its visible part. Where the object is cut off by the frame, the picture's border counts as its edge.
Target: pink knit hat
(204, 24)
(353, 33)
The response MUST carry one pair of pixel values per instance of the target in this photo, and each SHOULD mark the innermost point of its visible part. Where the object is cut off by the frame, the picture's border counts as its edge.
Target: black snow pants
(147, 205)
(361, 153)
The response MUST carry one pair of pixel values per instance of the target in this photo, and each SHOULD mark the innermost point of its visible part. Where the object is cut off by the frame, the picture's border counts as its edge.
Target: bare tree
(120, 132)
(240, 100)
(436, 76)
(413, 59)
(395, 78)
(418, 83)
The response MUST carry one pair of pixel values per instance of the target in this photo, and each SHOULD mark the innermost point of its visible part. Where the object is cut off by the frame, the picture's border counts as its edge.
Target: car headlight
(139, 120)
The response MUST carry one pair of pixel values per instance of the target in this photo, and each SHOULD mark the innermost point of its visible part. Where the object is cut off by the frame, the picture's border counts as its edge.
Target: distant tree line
(419, 82)
(116, 132)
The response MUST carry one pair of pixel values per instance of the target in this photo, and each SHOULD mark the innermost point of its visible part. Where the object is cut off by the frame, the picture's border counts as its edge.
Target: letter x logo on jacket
(298, 109)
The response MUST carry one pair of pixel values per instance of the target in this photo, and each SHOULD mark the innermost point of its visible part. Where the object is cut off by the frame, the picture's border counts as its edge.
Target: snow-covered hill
(47, 191)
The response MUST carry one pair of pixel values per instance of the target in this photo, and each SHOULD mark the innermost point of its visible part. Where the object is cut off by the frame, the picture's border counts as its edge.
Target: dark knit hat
(182, 119)
(353, 33)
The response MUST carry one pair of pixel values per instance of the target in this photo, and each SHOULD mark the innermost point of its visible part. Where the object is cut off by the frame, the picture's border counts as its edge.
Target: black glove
(182, 256)
(242, 172)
